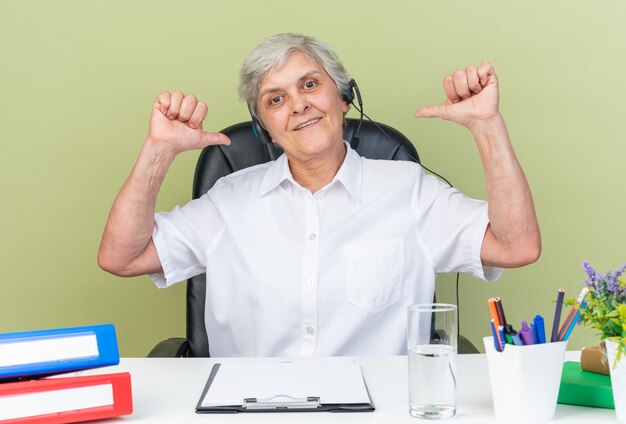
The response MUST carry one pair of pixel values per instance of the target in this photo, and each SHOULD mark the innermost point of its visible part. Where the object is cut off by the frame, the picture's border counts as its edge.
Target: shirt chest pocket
(374, 271)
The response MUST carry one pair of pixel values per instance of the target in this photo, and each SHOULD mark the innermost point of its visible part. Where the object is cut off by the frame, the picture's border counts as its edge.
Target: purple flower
(612, 283)
(593, 276)
(604, 284)
(589, 270)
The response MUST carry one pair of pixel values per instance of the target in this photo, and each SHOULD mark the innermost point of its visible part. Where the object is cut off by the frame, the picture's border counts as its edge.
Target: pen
(572, 313)
(574, 322)
(540, 329)
(526, 334)
(557, 315)
(496, 343)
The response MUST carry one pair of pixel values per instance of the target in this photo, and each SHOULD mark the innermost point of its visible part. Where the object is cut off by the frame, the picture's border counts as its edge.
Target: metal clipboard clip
(282, 402)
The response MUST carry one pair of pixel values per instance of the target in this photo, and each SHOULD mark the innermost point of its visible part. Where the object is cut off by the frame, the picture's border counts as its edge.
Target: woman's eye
(275, 100)
(309, 84)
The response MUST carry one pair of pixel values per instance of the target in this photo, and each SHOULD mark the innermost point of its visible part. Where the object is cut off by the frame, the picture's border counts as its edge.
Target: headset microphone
(354, 142)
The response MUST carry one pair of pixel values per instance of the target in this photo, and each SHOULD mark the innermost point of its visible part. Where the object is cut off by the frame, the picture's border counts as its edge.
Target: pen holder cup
(525, 380)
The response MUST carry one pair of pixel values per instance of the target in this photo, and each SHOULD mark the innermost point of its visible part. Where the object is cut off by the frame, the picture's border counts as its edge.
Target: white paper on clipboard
(334, 382)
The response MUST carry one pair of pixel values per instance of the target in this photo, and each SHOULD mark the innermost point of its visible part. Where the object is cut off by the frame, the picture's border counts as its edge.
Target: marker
(508, 333)
(517, 340)
(533, 332)
(557, 315)
(496, 343)
(500, 311)
(494, 315)
(540, 329)
(501, 332)
(526, 334)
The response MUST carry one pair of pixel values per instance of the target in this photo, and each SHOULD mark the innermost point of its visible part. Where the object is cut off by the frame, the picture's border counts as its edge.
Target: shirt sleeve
(451, 228)
(183, 238)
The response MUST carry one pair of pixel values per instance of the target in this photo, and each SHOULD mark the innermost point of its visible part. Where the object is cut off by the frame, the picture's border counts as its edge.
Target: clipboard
(299, 386)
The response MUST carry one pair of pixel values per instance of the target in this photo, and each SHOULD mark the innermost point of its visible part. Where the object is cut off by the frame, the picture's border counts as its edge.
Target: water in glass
(432, 381)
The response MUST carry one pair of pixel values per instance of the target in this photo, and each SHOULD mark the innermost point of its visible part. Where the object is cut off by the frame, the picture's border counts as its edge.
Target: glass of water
(432, 347)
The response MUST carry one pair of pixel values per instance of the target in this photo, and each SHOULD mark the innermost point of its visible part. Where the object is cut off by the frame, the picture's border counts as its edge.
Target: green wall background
(77, 80)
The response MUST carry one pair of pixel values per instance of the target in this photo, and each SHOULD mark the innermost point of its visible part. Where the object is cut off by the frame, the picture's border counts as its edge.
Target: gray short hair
(271, 54)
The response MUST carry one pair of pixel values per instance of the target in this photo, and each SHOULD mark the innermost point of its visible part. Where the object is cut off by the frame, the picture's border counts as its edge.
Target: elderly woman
(319, 252)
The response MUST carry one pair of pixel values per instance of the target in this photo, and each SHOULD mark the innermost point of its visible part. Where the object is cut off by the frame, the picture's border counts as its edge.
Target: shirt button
(310, 282)
(312, 236)
(310, 330)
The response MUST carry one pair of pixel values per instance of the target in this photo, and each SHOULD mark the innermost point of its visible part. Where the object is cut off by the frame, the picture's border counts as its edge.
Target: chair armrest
(175, 347)
(465, 346)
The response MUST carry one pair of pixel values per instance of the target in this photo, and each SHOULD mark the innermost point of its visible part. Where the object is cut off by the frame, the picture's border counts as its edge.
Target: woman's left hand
(472, 97)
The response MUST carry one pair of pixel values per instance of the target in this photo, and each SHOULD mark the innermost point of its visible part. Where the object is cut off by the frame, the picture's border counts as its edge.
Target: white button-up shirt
(290, 273)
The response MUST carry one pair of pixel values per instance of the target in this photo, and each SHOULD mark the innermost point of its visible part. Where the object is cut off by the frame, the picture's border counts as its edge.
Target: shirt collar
(349, 174)
(276, 173)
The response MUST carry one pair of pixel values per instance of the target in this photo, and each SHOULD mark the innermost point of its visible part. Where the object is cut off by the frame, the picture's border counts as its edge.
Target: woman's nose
(299, 104)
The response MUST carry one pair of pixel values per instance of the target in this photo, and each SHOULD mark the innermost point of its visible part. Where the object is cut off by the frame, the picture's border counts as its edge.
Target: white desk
(167, 391)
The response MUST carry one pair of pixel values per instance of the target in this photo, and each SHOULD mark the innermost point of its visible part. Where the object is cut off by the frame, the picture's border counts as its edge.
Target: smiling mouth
(307, 124)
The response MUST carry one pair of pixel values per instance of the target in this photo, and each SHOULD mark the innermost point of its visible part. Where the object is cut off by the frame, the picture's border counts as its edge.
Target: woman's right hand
(176, 122)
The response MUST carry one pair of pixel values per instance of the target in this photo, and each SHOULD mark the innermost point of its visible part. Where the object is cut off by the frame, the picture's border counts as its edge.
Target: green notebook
(580, 387)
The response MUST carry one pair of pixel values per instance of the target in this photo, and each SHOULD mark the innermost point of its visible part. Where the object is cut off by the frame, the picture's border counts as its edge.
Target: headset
(348, 95)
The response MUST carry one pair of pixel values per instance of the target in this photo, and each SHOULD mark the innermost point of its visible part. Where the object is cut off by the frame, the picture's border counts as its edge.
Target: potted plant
(605, 311)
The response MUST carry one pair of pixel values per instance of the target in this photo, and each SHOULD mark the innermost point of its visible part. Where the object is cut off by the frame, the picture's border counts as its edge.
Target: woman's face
(300, 107)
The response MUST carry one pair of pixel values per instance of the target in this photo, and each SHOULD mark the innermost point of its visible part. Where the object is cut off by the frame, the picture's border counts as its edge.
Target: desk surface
(167, 391)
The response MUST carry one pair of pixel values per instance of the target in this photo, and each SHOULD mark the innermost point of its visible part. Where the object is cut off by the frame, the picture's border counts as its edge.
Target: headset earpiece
(348, 94)
(260, 132)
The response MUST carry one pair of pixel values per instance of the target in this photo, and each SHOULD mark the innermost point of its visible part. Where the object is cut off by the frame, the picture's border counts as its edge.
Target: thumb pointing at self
(440, 111)
(214, 138)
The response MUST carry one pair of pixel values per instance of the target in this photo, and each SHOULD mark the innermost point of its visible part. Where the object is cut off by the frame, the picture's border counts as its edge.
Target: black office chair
(382, 142)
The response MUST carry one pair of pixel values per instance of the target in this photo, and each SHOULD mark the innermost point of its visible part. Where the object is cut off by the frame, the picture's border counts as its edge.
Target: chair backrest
(377, 141)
